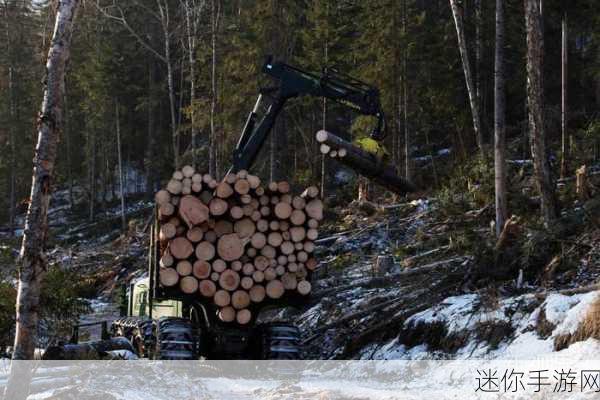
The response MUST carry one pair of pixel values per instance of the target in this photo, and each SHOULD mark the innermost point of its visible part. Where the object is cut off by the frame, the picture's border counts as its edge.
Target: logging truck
(222, 252)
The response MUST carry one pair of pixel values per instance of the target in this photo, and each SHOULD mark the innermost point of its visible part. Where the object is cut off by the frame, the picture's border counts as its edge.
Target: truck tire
(138, 330)
(279, 341)
(175, 339)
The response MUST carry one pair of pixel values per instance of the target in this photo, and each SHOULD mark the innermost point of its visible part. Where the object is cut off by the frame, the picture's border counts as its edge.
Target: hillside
(434, 300)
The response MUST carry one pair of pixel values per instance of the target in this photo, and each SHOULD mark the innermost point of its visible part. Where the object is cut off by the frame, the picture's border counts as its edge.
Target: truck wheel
(176, 339)
(137, 330)
(279, 341)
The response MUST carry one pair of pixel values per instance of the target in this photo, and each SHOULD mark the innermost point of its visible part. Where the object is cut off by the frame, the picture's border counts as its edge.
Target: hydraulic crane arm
(293, 82)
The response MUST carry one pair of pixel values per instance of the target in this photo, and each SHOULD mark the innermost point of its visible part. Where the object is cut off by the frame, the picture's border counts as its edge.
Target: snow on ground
(465, 315)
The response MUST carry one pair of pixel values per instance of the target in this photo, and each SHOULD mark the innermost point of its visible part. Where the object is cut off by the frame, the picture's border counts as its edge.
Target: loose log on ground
(366, 164)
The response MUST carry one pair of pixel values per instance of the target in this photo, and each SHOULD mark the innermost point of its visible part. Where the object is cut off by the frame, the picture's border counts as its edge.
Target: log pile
(236, 242)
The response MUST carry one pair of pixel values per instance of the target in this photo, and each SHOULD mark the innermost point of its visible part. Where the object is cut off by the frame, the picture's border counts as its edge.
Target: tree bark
(499, 121)
(478, 53)
(149, 164)
(563, 103)
(535, 101)
(33, 265)
(11, 130)
(191, 19)
(163, 9)
(457, 13)
(212, 161)
(92, 176)
(120, 162)
(407, 164)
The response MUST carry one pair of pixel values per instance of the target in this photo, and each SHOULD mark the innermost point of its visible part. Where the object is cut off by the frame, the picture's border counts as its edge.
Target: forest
(484, 189)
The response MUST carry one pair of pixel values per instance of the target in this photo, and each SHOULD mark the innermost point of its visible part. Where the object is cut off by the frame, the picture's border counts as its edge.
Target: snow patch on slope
(465, 314)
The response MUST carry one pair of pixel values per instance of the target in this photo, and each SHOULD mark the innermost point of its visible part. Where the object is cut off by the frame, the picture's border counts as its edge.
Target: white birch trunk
(33, 261)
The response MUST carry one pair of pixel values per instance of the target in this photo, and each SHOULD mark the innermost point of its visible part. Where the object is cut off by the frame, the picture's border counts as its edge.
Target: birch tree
(193, 9)
(499, 120)
(458, 14)
(33, 263)
(215, 17)
(535, 102)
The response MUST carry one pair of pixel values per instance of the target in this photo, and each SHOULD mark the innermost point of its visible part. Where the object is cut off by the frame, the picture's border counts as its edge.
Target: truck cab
(139, 303)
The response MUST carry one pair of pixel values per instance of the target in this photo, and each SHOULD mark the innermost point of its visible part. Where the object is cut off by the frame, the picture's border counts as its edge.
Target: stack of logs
(236, 242)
